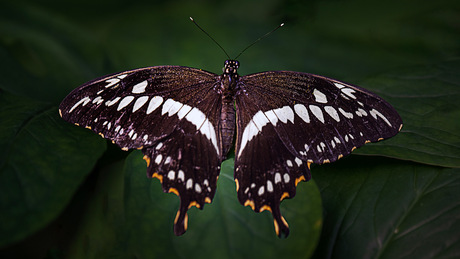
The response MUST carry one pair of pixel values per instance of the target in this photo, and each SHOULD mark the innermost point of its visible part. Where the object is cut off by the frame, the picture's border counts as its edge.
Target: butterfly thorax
(228, 82)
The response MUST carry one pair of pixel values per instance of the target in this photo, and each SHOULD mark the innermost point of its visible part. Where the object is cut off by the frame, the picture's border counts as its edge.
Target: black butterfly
(184, 119)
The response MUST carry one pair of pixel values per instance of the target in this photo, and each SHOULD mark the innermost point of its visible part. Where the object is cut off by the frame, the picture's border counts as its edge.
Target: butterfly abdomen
(227, 124)
(228, 119)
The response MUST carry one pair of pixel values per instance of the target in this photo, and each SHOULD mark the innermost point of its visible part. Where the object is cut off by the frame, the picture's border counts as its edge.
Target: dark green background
(67, 193)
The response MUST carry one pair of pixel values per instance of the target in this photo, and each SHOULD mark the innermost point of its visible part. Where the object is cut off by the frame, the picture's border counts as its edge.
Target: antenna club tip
(281, 25)
(191, 19)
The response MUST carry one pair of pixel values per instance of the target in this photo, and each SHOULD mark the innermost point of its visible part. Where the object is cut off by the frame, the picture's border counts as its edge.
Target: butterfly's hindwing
(171, 113)
(265, 171)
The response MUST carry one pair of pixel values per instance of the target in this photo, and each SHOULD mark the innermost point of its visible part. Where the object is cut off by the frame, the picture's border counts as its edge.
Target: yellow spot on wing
(194, 203)
(367, 141)
(284, 221)
(325, 161)
(265, 207)
(284, 196)
(297, 180)
(102, 135)
(353, 148)
(123, 148)
(237, 185)
(277, 228)
(60, 113)
(250, 203)
(147, 160)
(174, 190)
(158, 176)
(340, 156)
(185, 221)
(207, 200)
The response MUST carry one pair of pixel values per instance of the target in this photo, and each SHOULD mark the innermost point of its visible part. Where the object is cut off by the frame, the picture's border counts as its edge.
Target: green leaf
(427, 99)
(383, 208)
(43, 162)
(137, 219)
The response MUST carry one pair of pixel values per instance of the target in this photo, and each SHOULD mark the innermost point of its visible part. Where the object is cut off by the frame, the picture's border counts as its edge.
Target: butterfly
(185, 121)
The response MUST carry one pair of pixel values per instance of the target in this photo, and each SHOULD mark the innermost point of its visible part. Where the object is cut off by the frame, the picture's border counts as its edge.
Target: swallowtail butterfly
(184, 121)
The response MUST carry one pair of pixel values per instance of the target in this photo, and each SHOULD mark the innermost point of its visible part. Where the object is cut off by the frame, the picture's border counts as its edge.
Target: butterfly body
(185, 119)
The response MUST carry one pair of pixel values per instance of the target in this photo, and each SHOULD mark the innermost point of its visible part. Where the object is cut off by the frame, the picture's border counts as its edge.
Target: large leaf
(43, 161)
(137, 220)
(382, 208)
(427, 100)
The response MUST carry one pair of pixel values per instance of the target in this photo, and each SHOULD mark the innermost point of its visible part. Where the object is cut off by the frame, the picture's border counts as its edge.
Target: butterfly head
(231, 67)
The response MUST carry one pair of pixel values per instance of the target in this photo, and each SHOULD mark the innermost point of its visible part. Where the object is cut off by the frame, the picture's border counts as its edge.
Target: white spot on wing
(140, 87)
(198, 118)
(269, 186)
(171, 107)
(171, 175)
(189, 183)
(284, 114)
(154, 104)
(298, 161)
(158, 159)
(271, 117)
(181, 175)
(111, 82)
(183, 111)
(302, 112)
(319, 96)
(347, 115)
(83, 101)
(340, 86)
(277, 178)
(98, 100)
(140, 102)
(112, 102)
(360, 112)
(197, 188)
(286, 178)
(317, 112)
(125, 102)
(260, 120)
(376, 113)
(332, 112)
(167, 160)
(289, 163)
(160, 145)
(349, 92)
(261, 190)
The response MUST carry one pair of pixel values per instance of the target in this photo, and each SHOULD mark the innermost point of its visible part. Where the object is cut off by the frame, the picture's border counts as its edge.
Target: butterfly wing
(288, 120)
(172, 113)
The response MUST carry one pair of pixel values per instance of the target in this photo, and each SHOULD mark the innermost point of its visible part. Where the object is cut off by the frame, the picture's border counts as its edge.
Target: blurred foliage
(65, 193)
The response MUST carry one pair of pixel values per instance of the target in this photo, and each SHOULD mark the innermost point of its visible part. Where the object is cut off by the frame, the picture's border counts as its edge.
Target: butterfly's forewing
(172, 113)
(288, 120)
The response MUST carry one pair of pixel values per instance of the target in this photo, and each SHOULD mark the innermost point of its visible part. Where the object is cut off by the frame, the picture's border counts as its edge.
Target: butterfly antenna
(263, 37)
(210, 37)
